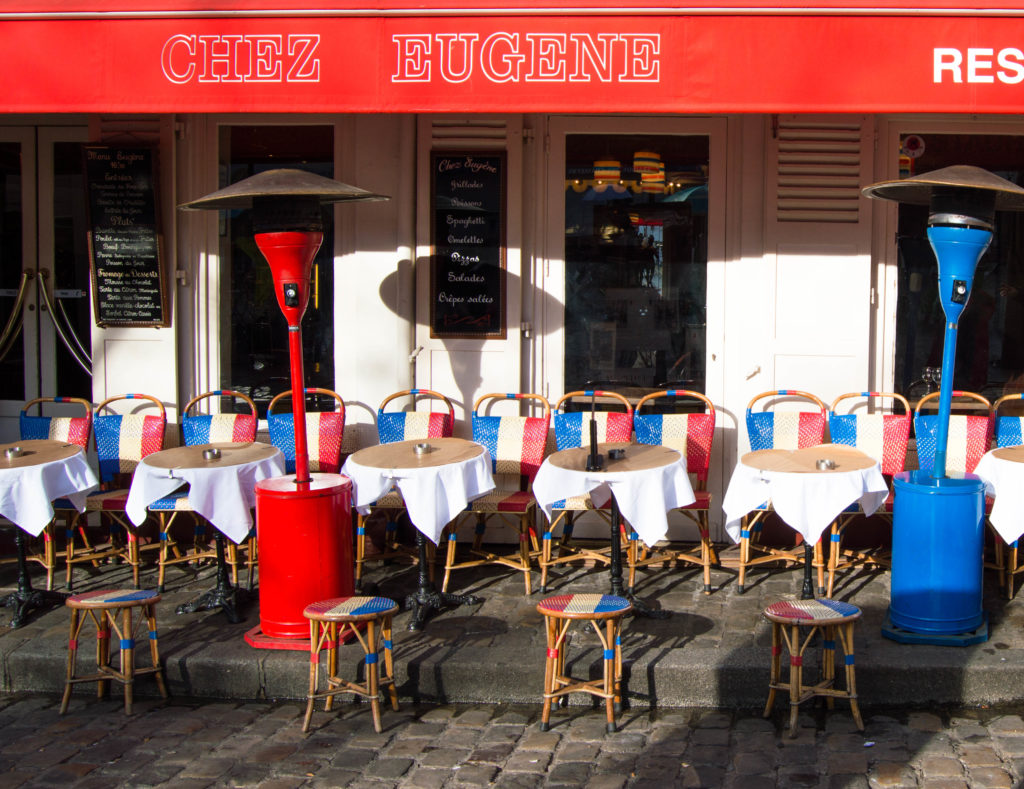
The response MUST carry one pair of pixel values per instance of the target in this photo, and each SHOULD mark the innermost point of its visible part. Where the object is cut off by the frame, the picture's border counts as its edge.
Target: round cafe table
(642, 486)
(807, 498)
(221, 489)
(33, 473)
(436, 485)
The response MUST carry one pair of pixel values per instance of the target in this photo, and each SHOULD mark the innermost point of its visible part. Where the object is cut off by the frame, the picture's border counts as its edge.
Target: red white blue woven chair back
(969, 436)
(516, 443)
(689, 434)
(70, 429)
(324, 433)
(122, 440)
(215, 428)
(395, 426)
(786, 429)
(572, 428)
(883, 437)
(1009, 429)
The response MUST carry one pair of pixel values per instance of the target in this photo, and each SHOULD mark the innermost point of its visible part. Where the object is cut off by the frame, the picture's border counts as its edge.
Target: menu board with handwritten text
(468, 239)
(124, 236)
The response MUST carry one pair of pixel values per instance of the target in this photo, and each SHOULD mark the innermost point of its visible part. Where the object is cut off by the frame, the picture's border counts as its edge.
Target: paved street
(191, 744)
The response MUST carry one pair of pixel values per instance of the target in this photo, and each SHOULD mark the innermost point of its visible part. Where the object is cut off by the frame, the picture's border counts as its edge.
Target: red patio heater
(303, 521)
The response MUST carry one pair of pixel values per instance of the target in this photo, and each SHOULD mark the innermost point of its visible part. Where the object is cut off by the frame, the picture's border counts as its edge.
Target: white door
(631, 276)
(43, 263)
(817, 278)
(468, 301)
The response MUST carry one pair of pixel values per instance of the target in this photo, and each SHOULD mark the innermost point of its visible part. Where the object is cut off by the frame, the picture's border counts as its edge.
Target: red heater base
(304, 539)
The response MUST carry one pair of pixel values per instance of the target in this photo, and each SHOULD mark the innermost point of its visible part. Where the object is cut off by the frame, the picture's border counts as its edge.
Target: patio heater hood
(938, 519)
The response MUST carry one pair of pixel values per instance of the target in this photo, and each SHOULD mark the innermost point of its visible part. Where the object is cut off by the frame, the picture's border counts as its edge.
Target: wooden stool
(324, 618)
(559, 613)
(829, 616)
(103, 608)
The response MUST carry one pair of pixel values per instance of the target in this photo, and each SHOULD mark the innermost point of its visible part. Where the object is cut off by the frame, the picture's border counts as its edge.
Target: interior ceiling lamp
(607, 170)
(648, 163)
(654, 183)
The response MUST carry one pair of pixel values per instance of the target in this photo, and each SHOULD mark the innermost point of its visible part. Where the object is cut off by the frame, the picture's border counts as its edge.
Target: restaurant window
(636, 228)
(990, 341)
(253, 332)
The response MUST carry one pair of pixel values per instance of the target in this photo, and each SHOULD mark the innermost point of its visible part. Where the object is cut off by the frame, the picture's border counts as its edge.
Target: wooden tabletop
(36, 452)
(402, 454)
(231, 454)
(638, 457)
(1016, 454)
(805, 460)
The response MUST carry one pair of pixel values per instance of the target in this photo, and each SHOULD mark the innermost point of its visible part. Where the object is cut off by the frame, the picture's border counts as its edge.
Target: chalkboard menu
(124, 237)
(468, 239)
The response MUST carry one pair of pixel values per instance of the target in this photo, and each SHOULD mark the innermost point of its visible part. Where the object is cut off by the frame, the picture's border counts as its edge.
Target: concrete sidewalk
(712, 652)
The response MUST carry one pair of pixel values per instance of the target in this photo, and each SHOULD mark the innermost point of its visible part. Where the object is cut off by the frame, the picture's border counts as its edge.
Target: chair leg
(76, 626)
(846, 637)
(449, 562)
(550, 664)
(154, 649)
(775, 672)
(389, 661)
(314, 669)
(360, 550)
(372, 672)
(796, 689)
(127, 650)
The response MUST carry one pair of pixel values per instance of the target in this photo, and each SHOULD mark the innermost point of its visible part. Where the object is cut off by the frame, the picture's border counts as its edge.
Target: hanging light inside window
(654, 183)
(647, 162)
(607, 170)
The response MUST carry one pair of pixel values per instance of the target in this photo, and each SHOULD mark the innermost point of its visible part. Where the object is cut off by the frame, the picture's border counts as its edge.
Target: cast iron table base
(222, 596)
(26, 599)
(426, 599)
(640, 608)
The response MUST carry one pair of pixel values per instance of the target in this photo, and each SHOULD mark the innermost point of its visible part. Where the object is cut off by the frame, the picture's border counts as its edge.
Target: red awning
(578, 56)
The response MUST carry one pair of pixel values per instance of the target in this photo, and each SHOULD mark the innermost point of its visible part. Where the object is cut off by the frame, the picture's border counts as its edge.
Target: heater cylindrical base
(304, 539)
(937, 544)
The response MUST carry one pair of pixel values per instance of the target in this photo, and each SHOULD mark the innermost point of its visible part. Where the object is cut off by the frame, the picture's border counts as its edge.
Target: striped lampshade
(607, 170)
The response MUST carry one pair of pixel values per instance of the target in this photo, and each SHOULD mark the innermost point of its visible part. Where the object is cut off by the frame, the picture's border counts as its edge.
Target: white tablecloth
(27, 491)
(1004, 479)
(223, 493)
(644, 496)
(807, 501)
(434, 494)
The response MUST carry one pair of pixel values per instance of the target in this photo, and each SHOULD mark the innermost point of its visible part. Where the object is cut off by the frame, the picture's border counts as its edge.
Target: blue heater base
(935, 583)
(977, 636)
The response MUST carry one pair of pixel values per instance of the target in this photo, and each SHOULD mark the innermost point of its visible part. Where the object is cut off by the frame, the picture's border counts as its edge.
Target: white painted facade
(796, 299)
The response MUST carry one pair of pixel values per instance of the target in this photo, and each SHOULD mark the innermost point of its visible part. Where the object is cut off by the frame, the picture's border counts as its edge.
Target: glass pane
(990, 340)
(254, 334)
(71, 269)
(12, 367)
(636, 262)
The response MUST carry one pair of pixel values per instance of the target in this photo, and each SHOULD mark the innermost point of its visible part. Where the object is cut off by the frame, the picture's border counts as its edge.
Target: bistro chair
(516, 445)
(572, 429)
(690, 434)
(122, 441)
(324, 430)
(883, 437)
(1009, 432)
(970, 436)
(768, 428)
(69, 429)
(394, 426)
(234, 426)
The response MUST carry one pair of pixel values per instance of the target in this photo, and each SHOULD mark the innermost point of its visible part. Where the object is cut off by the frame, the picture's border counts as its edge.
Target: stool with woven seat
(113, 610)
(559, 613)
(350, 613)
(832, 618)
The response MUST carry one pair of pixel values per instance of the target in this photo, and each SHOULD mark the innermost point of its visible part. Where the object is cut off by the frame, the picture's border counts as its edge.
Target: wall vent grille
(818, 178)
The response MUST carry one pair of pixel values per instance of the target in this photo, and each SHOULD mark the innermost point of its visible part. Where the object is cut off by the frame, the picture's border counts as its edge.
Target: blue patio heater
(938, 518)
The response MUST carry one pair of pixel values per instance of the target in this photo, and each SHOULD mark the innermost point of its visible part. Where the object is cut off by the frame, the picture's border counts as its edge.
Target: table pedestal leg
(807, 593)
(221, 596)
(426, 598)
(26, 598)
(615, 568)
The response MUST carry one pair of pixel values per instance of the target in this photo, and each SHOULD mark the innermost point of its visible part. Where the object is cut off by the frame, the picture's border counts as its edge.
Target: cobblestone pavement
(191, 744)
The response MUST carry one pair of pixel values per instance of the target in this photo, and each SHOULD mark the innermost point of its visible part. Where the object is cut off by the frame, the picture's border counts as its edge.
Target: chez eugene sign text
(499, 57)
(450, 57)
